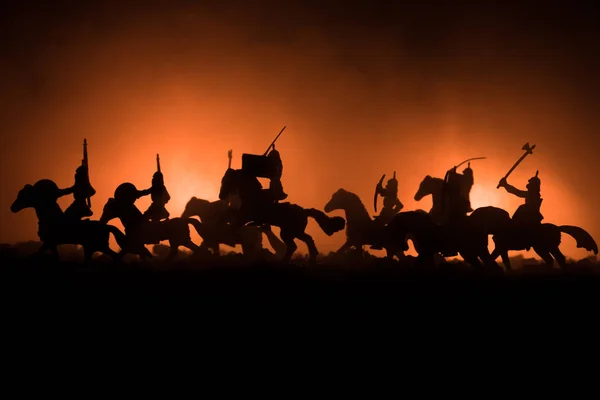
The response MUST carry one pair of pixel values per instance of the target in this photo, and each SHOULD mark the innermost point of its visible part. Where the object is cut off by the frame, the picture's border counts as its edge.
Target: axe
(528, 150)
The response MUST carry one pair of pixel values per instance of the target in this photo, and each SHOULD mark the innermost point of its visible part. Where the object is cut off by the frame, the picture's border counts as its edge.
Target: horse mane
(355, 200)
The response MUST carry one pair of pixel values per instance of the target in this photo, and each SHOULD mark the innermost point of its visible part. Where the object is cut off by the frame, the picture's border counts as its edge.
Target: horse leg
(312, 248)
(559, 257)
(472, 259)
(173, 252)
(545, 255)
(291, 245)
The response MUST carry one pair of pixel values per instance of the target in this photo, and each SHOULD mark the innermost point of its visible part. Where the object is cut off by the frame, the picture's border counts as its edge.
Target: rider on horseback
(528, 215)
(160, 196)
(456, 194)
(276, 168)
(456, 204)
(81, 191)
(391, 206)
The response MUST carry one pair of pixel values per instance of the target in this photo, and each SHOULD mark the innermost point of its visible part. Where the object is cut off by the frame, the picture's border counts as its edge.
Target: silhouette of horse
(55, 229)
(476, 226)
(361, 230)
(258, 208)
(433, 187)
(214, 216)
(545, 240)
(139, 231)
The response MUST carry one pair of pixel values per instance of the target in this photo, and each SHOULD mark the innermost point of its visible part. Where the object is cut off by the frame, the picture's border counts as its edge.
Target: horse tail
(197, 226)
(329, 225)
(582, 237)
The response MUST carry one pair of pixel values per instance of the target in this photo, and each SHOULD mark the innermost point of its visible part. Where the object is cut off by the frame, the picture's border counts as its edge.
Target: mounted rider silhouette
(276, 168)
(528, 215)
(456, 204)
(81, 190)
(457, 189)
(159, 195)
(391, 205)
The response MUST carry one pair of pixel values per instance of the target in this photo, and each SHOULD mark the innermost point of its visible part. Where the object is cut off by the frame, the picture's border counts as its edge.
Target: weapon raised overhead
(274, 140)
(528, 150)
(158, 163)
(230, 156)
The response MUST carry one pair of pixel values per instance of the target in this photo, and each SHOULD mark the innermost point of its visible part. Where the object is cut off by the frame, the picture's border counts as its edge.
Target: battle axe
(528, 150)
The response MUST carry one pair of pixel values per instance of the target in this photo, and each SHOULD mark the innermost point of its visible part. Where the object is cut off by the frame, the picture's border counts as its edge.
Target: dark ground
(227, 291)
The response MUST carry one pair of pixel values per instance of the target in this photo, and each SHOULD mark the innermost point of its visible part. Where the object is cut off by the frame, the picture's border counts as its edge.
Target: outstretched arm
(513, 190)
(64, 192)
(142, 193)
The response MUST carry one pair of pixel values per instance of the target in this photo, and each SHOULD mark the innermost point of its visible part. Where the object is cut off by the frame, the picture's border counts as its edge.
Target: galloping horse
(470, 237)
(55, 229)
(545, 238)
(140, 231)
(213, 216)
(292, 219)
(361, 230)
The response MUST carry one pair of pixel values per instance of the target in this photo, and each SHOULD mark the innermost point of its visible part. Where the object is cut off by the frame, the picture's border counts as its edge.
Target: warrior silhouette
(160, 196)
(276, 168)
(391, 203)
(457, 189)
(527, 215)
(81, 191)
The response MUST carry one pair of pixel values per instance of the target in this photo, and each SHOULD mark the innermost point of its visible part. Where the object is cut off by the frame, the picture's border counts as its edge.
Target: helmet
(126, 192)
(468, 170)
(534, 182)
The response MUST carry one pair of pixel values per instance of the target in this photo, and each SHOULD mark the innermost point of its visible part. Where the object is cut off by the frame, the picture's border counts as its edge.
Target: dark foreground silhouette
(340, 288)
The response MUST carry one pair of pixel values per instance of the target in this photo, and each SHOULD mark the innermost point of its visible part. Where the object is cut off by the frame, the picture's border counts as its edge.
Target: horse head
(110, 210)
(425, 188)
(195, 206)
(337, 201)
(44, 191)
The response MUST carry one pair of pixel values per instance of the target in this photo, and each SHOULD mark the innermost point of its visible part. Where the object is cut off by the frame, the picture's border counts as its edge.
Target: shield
(256, 165)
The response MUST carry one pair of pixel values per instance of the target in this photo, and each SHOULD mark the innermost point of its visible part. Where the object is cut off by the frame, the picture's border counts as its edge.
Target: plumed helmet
(535, 181)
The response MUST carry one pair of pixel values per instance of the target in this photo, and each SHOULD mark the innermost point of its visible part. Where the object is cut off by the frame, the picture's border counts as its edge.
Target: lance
(274, 140)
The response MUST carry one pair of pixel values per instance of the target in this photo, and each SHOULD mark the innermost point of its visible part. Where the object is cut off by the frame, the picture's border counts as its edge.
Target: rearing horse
(292, 219)
(54, 228)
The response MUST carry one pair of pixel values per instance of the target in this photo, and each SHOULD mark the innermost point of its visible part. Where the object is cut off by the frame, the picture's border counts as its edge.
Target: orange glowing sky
(191, 84)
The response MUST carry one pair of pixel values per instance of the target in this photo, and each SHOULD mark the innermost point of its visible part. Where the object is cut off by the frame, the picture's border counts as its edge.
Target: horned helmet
(534, 183)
